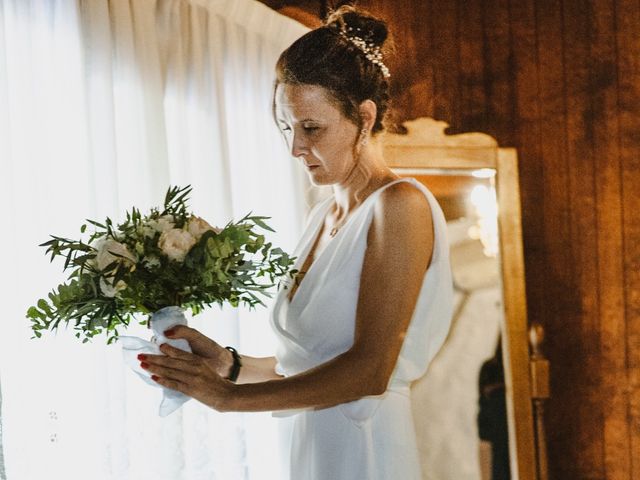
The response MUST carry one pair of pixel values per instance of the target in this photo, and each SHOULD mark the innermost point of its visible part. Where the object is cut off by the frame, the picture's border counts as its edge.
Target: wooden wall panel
(553, 289)
(472, 95)
(526, 81)
(498, 71)
(558, 292)
(443, 23)
(615, 399)
(559, 80)
(581, 325)
(628, 63)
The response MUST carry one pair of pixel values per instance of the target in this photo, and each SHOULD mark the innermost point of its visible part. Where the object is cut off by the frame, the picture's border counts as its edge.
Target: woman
(372, 302)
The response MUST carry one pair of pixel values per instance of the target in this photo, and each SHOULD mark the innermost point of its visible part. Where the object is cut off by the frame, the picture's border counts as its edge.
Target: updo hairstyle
(325, 58)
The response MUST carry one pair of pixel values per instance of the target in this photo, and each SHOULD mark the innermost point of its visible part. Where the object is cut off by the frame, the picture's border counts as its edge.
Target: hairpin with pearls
(371, 50)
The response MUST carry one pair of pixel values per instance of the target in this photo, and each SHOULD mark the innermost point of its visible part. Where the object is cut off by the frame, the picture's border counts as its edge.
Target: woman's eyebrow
(299, 121)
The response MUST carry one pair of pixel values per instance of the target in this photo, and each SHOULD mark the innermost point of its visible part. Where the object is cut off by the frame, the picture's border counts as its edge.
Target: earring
(363, 134)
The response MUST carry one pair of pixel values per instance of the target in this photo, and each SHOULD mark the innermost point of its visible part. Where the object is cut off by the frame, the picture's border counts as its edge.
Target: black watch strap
(235, 368)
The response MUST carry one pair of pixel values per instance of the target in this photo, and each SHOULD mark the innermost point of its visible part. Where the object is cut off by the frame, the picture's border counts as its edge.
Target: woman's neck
(364, 179)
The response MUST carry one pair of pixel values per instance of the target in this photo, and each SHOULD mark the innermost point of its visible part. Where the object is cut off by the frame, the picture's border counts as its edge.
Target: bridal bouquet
(166, 258)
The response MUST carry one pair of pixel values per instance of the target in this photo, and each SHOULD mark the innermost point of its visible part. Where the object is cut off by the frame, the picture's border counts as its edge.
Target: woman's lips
(311, 167)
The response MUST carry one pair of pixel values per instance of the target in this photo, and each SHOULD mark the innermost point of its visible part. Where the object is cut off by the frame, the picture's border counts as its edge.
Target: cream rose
(162, 224)
(197, 227)
(110, 290)
(176, 243)
(147, 230)
(106, 248)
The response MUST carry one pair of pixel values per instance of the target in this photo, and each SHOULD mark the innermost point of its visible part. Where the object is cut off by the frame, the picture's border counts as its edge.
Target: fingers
(175, 364)
(172, 384)
(181, 372)
(174, 352)
(175, 360)
(189, 374)
(182, 331)
(199, 343)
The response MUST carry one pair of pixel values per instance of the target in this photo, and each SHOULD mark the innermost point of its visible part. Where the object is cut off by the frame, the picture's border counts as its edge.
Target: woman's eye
(310, 129)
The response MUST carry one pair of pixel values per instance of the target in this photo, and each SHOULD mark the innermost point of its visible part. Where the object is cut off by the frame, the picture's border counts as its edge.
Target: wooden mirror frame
(426, 146)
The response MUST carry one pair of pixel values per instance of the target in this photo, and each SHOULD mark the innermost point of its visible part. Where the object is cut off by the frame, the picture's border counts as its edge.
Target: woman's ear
(368, 112)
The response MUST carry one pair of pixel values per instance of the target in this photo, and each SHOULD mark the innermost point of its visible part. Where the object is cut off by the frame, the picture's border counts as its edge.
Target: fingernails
(170, 333)
(144, 365)
(142, 357)
(154, 378)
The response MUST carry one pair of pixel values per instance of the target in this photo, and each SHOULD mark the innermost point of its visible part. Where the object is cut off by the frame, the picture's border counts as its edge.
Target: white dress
(371, 438)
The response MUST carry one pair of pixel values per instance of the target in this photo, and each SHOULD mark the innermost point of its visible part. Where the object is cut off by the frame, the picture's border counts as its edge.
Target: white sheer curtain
(103, 104)
(2, 473)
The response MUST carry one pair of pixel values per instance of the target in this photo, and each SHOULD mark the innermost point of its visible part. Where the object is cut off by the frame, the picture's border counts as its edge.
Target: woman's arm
(220, 360)
(400, 244)
(254, 369)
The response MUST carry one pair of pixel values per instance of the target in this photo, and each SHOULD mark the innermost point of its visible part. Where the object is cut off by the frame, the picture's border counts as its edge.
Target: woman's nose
(298, 147)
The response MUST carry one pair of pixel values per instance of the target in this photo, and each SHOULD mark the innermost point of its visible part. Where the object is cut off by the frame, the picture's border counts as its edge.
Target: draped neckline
(314, 238)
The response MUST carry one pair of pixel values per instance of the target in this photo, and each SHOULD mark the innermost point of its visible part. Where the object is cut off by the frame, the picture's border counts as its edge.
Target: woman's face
(317, 132)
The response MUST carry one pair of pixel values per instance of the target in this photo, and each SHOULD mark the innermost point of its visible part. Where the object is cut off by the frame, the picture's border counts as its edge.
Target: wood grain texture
(526, 84)
(628, 63)
(559, 80)
(471, 93)
(583, 320)
(615, 400)
(556, 291)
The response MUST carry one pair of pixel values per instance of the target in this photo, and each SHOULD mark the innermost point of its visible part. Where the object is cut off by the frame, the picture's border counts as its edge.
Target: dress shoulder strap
(441, 243)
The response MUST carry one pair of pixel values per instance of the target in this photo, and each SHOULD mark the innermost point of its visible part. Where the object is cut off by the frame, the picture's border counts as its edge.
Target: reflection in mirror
(460, 404)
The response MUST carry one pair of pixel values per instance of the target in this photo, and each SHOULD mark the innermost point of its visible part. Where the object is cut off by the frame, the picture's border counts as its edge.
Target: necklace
(334, 231)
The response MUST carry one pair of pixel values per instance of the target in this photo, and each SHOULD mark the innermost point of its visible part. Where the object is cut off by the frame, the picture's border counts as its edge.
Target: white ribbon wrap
(161, 321)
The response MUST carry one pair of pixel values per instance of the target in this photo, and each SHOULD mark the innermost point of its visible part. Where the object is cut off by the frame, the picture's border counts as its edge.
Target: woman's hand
(254, 369)
(218, 358)
(189, 373)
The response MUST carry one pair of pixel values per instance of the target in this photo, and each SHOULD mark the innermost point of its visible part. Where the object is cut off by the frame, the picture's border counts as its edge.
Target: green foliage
(122, 271)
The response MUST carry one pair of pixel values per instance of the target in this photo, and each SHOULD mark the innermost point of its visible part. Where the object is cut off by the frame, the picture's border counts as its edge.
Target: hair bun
(362, 24)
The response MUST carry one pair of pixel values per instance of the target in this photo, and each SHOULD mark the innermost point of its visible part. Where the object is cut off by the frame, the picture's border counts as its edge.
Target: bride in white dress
(372, 303)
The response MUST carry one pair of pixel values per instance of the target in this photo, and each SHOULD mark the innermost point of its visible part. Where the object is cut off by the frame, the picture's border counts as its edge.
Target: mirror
(473, 408)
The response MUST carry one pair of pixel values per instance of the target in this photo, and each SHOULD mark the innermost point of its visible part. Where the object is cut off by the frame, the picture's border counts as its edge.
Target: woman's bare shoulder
(403, 205)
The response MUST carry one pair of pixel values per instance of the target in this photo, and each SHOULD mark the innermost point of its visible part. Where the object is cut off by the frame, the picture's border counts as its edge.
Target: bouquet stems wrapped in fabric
(166, 258)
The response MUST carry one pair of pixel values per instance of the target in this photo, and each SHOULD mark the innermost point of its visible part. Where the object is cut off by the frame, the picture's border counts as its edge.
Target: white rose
(109, 290)
(147, 230)
(163, 224)
(106, 248)
(197, 227)
(176, 243)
